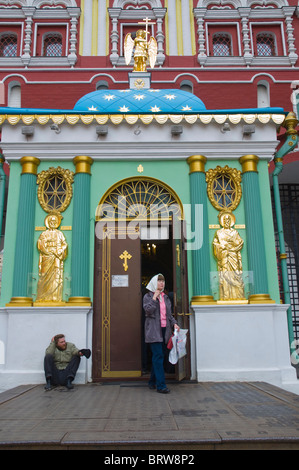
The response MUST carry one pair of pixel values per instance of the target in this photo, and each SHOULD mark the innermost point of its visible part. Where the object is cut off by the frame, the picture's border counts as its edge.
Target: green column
(199, 225)
(254, 229)
(81, 232)
(25, 233)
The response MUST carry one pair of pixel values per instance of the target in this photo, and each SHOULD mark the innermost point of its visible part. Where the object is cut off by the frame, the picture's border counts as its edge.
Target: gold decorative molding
(203, 300)
(290, 124)
(260, 299)
(79, 302)
(29, 165)
(20, 302)
(43, 227)
(197, 163)
(58, 182)
(139, 83)
(249, 163)
(148, 194)
(224, 187)
(88, 119)
(83, 163)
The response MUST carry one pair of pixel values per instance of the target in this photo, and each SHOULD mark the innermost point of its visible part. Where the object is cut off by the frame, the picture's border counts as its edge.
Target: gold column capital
(82, 163)
(249, 163)
(197, 163)
(29, 165)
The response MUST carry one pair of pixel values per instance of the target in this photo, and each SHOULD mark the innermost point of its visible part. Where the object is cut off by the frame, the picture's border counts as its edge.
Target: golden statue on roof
(145, 51)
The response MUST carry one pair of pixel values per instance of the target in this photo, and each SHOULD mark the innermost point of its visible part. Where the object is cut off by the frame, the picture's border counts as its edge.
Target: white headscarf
(152, 285)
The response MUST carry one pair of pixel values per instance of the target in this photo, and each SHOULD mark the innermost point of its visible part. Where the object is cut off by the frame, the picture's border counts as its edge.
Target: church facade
(116, 175)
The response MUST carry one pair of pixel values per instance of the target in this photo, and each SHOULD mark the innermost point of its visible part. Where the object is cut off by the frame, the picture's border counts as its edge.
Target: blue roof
(147, 101)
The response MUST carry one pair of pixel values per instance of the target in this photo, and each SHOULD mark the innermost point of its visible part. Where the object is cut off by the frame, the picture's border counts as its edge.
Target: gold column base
(49, 304)
(203, 300)
(232, 302)
(261, 299)
(79, 302)
(20, 302)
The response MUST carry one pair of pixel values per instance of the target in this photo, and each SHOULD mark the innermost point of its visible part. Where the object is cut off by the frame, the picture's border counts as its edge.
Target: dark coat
(152, 326)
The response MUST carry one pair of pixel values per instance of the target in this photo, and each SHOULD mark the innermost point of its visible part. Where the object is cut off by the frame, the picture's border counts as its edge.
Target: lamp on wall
(102, 130)
(55, 128)
(28, 131)
(176, 130)
(248, 129)
(225, 128)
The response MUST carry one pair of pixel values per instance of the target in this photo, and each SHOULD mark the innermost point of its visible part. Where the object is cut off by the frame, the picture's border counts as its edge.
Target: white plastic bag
(178, 346)
(173, 354)
(181, 343)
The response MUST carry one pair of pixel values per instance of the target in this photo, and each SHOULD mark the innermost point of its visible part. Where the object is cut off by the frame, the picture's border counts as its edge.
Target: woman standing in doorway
(158, 329)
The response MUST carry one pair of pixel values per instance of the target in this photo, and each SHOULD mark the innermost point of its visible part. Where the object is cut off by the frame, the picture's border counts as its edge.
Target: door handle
(184, 314)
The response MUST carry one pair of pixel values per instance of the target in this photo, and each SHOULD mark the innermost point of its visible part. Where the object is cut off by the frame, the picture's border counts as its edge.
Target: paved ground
(130, 416)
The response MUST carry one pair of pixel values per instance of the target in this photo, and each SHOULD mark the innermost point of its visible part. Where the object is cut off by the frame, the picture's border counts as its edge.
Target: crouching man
(61, 362)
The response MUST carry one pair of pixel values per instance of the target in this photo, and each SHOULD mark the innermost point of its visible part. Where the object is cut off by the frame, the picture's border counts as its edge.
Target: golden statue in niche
(53, 251)
(144, 50)
(227, 245)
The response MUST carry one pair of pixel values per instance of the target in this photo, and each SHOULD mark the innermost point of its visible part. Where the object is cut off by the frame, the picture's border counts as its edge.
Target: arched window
(14, 95)
(263, 94)
(222, 45)
(149, 198)
(8, 45)
(102, 85)
(186, 85)
(265, 45)
(52, 45)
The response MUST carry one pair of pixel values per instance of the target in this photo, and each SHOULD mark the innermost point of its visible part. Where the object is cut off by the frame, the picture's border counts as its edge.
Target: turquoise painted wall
(240, 220)
(269, 231)
(10, 232)
(107, 173)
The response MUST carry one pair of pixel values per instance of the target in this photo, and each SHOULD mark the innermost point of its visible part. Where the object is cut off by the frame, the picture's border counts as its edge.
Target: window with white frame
(222, 45)
(265, 45)
(14, 95)
(52, 45)
(8, 45)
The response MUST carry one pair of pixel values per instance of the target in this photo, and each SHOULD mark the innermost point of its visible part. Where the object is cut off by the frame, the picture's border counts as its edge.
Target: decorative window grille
(289, 197)
(8, 45)
(145, 197)
(265, 45)
(224, 187)
(55, 189)
(222, 45)
(52, 45)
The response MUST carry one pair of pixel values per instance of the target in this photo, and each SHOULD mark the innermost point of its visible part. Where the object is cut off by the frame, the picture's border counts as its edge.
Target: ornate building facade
(94, 149)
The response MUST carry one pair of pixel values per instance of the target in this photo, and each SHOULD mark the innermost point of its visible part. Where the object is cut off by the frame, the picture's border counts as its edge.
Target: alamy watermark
(151, 222)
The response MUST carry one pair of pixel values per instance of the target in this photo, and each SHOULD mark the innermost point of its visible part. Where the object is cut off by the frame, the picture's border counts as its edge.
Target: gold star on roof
(124, 109)
(155, 109)
(109, 97)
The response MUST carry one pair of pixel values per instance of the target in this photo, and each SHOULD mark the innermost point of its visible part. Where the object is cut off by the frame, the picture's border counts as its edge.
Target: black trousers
(60, 377)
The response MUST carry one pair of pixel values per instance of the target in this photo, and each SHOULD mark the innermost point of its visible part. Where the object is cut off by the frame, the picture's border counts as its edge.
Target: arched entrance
(138, 234)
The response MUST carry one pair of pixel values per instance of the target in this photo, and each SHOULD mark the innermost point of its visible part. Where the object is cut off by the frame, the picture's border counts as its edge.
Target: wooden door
(180, 288)
(117, 306)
